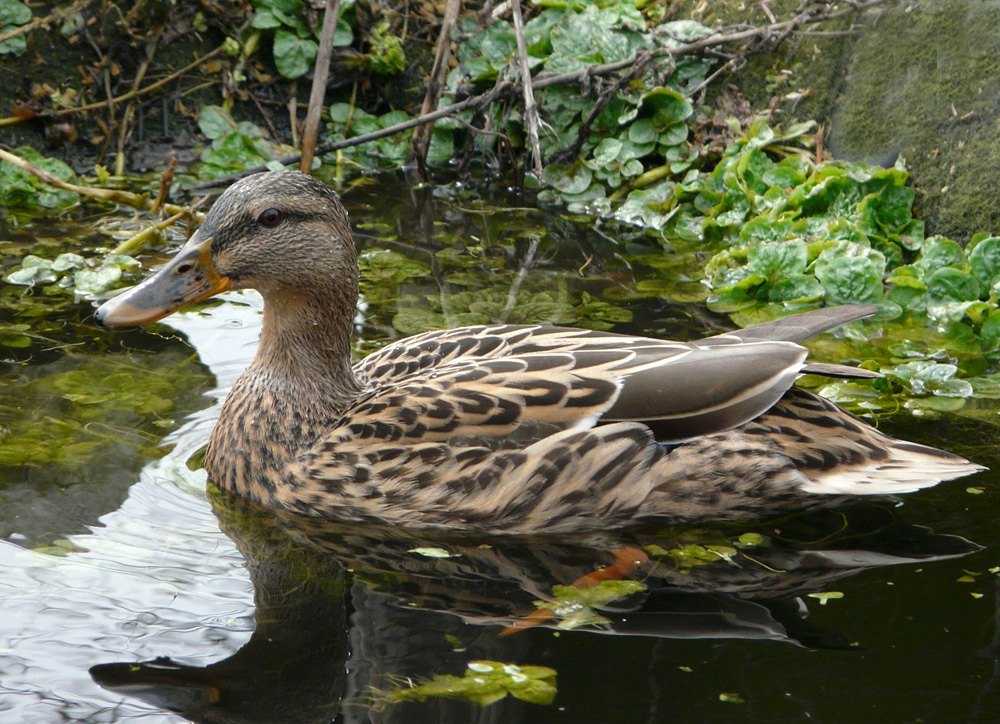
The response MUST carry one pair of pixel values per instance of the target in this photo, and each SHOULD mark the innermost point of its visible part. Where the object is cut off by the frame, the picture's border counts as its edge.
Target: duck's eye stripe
(269, 217)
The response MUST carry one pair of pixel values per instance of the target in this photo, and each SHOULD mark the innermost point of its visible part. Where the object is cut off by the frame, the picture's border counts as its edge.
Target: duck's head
(282, 233)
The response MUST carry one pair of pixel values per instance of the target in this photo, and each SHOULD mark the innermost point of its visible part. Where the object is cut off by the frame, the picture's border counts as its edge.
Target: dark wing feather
(501, 380)
(796, 327)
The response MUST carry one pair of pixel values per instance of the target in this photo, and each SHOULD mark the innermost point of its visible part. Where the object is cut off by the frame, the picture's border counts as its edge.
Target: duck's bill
(187, 278)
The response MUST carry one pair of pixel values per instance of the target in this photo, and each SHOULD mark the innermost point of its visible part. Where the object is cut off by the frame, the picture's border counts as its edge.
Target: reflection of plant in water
(484, 682)
(574, 606)
(693, 547)
(64, 417)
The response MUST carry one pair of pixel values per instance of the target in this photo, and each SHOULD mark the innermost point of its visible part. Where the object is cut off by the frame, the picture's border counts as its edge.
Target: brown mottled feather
(517, 428)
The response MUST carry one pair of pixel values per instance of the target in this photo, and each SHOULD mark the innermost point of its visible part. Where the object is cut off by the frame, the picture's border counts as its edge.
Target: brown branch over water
(114, 196)
(530, 108)
(318, 92)
(442, 53)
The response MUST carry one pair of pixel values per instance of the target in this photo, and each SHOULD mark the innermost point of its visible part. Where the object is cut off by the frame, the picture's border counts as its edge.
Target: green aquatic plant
(695, 547)
(65, 412)
(234, 146)
(20, 189)
(12, 15)
(296, 42)
(39, 294)
(483, 683)
(576, 606)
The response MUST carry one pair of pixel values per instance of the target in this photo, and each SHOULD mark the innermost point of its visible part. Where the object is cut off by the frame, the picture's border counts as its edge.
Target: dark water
(883, 611)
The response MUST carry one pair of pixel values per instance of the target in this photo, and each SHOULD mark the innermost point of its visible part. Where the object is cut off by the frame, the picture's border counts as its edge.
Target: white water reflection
(158, 575)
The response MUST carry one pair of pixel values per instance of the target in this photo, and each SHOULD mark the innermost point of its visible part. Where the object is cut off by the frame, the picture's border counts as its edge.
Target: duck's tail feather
(907, 467)
(842, 371)
(796, 327)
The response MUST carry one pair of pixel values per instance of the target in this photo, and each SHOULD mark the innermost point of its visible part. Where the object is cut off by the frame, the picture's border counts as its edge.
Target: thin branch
(439, 71)
(642, 60)
(123, 128)
(320, 74)
(530, 108)
(115, 196)
(137, 241)
(125, 96)
(501, 89)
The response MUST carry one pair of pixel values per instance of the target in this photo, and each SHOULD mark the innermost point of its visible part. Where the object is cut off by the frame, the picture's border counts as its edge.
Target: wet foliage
(483, 683)
(12, 15)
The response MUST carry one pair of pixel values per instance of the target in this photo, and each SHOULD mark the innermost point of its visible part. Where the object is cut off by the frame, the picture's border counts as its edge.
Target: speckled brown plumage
(507, 428)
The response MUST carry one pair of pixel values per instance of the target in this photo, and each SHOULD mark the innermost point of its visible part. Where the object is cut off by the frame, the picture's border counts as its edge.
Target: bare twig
(115, 196)
(123, 129)
(530, 109)
(501, 89)
(55, 16)
(165, 180)
(143, 237)
(442, 53)
(522, 272)
(320, 74)
(571, 152)
(111, 102)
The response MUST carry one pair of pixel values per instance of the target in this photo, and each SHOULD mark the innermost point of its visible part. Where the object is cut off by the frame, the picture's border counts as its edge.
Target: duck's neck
(305, 346)
(298, 385)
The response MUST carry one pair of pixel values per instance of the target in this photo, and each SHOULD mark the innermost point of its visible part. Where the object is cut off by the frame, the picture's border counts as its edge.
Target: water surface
(117, 554)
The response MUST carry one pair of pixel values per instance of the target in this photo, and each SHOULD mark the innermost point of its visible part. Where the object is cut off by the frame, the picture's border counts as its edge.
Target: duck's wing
(431, 349)
(505, 380)
(689, 390)
(568, 481)
(796, 327)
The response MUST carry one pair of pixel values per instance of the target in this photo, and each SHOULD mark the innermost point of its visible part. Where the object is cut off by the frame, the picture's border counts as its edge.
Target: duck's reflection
(343, 612)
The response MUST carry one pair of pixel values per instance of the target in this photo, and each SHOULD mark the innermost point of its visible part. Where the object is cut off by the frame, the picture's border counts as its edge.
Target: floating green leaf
(483, 683)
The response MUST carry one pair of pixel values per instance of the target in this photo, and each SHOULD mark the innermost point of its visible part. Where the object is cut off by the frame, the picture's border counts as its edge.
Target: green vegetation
(294, 42)
(483, 683)
(234, 146)
(20, 189)
(13, 14)
(575, 606)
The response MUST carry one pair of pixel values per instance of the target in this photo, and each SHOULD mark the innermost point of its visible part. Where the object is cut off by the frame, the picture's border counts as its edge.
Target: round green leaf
(607, 151)
(796, 288)
(990, 331)
(781, 258)
(667, 104)
(293, 56)
(850, 274)
(214, 122)
(642, 131)
(673, 134)
(938, 252)
(951, 284)
(569, 179)
(985, 261)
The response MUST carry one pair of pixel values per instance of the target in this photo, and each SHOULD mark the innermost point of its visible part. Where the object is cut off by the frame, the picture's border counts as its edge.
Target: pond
(132, 592)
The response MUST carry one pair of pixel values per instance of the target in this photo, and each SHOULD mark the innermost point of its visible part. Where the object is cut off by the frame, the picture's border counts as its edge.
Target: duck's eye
(270, 218)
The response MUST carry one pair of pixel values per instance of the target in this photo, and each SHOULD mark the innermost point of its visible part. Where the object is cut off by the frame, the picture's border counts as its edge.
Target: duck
(504, 428)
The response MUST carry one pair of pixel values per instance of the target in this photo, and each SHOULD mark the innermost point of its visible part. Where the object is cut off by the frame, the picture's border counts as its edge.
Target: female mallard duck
(504, 428)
